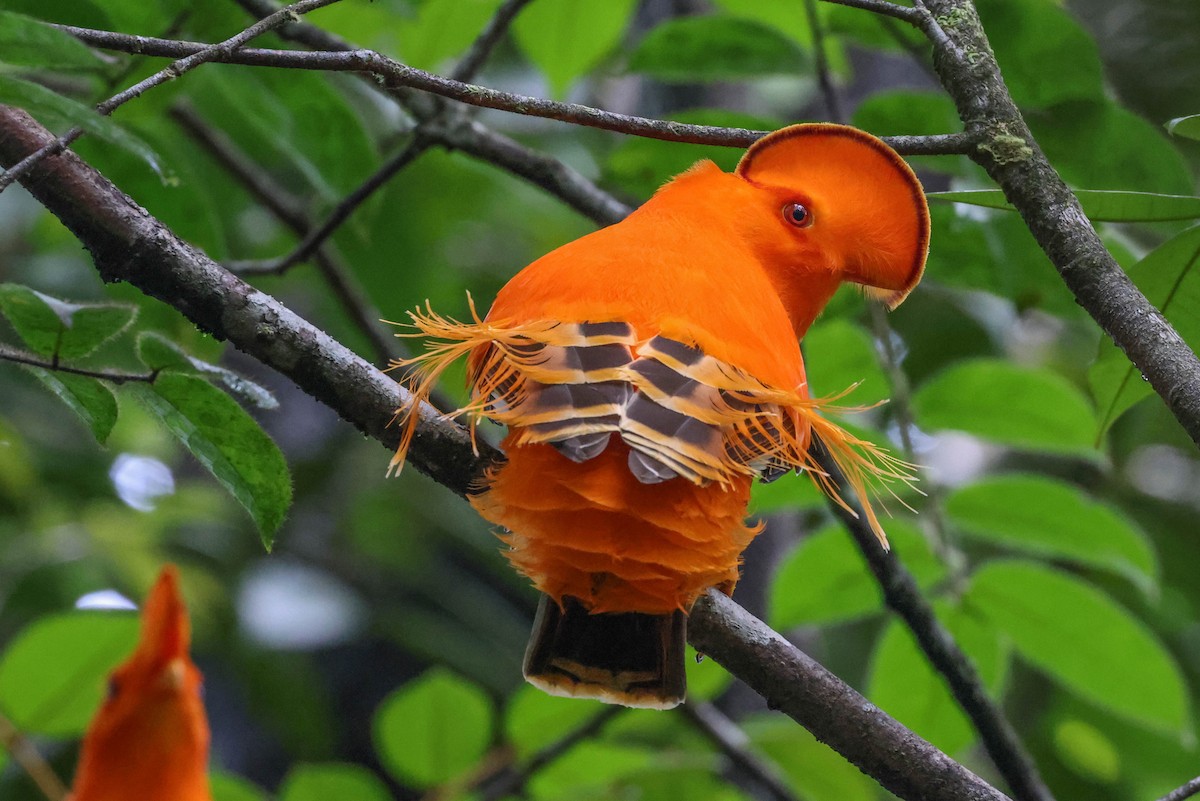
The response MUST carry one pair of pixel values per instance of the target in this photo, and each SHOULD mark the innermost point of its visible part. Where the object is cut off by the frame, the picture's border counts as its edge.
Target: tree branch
(207, 53)
(819, 701)
(402, 75)
(1010, 155)
(1186, 791)
(128, 244)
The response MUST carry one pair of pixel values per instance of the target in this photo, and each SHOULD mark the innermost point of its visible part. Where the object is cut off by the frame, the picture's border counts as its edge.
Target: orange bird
(149, 740)
(649, 371)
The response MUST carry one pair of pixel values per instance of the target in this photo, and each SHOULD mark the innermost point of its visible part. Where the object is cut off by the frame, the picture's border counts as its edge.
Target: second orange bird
(149, 739)
(649, 371)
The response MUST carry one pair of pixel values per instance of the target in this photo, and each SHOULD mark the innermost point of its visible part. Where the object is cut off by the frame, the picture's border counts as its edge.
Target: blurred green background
(375, 652)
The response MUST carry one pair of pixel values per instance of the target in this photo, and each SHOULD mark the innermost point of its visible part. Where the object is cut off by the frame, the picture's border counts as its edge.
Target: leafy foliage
(376, 653)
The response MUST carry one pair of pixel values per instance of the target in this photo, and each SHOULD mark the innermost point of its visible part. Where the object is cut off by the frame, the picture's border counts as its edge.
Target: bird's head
(151, 727)
(837, 205)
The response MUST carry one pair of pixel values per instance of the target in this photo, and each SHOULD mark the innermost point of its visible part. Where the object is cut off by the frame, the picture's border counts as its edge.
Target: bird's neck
(804, 301)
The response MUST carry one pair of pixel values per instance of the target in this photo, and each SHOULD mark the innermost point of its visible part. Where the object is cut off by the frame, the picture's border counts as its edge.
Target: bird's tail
(627, 658)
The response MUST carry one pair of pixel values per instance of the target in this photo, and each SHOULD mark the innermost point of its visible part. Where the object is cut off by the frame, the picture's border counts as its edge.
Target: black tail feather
(627, 658)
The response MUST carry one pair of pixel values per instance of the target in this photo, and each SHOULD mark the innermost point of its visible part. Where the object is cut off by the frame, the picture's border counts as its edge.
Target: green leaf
(159, 353)
(1023, 407)
(1087, 751)
(714, 48)
(58, 112)
(433, 729)
(228, 442)
(1168, 277)
(905, 685)
(815, 771)
(1188, 127)
(27, 42)
(228, 787)
(89, 398)
(838, 355)
(566, 38)
(35, 317)
(267, 113)
(593, 770)
(1033, 39)
(1083, 639)
(533, 719)
(320, 782)
(1051, 518)
(51, 326)
(83, 13)
(1102, 145)
(1100, 205)
(52, 674)
(441, 29)
(826, 579)
(781, 15)
(791, 493)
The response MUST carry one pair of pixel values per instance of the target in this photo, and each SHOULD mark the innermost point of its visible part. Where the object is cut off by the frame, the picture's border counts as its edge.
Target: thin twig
(11, 354)
(913, 16)
(287, 209)
(832, 101)
(726, 735)
(402, 75)
(316, 236)
(38, 769)
(1186, 791)
(482, 47)
(513, 783)
(206, 54)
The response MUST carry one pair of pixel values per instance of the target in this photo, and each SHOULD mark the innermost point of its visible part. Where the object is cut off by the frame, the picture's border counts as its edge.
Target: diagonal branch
(1186, 791)
(129, 245)
(796, 685)
(903, 596)
(35, 766)
(206, 54)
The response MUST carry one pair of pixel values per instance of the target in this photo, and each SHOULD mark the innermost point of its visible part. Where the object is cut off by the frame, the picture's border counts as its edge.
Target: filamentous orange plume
(649, 371)
(149, 739)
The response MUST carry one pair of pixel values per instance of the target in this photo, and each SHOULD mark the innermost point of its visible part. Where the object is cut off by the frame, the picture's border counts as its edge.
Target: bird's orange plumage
(150, 737)
(649, 371)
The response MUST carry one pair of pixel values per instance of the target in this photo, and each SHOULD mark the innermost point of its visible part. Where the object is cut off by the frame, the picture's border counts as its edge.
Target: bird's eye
(114, 687)
(798, 215)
